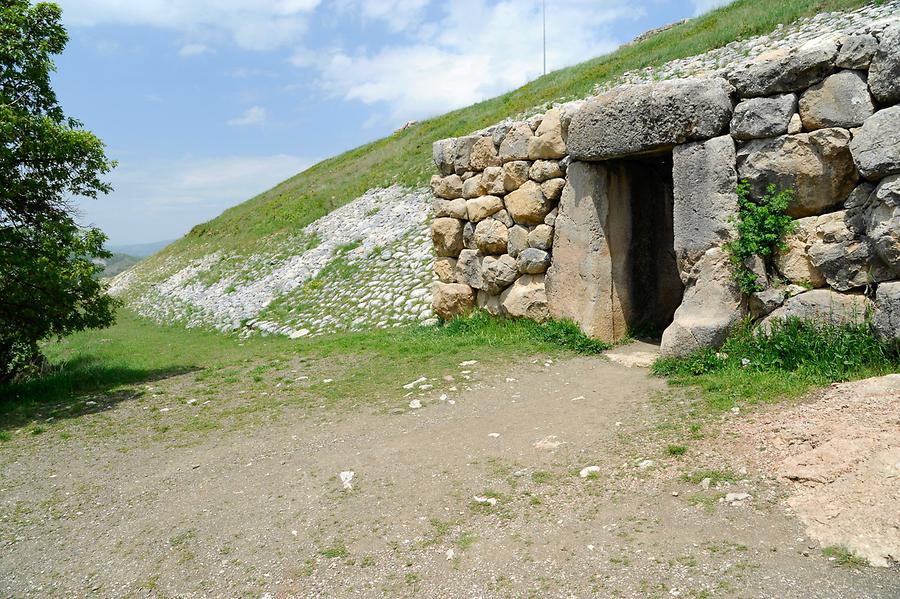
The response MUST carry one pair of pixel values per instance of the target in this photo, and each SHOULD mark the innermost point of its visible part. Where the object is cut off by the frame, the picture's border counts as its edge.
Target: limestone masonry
(614, 211)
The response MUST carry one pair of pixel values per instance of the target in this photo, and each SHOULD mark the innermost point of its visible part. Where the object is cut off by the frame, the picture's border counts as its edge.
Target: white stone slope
(384, 233)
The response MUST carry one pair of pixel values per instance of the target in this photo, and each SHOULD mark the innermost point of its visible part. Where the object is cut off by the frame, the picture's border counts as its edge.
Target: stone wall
(573, 213)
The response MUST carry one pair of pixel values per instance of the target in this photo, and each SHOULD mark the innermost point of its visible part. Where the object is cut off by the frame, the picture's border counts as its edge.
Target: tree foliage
(48, 277)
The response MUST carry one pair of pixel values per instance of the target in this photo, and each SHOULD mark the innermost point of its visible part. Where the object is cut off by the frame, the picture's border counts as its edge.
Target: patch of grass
(842, 556)
(542, 477)
(466, 540)
(115, 364)
(337, 550)
(676, 450)
(707, 502)
(715, 477)
(787, 361)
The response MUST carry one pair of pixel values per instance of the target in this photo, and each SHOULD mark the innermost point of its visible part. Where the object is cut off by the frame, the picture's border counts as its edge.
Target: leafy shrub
(762, 225)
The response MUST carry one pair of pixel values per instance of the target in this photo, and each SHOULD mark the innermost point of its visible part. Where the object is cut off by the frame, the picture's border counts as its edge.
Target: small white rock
(586, 472)
(415, 404)
(346, 477)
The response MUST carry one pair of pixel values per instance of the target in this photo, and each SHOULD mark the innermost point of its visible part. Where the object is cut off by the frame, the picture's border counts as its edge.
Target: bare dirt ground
(841, 456)
(112, 508)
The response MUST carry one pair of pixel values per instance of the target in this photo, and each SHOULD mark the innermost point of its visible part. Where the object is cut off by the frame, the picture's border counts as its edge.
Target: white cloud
(255, 115)
(189, 50)
(704, 6)
(451, 63)
(257, 25)
(163, 199)
(397, 14)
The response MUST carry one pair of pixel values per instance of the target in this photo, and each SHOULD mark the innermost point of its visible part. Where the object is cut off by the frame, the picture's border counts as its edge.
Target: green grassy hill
(405, 157)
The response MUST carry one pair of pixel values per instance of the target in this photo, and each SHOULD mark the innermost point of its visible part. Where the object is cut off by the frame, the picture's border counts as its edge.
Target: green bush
(762, 225)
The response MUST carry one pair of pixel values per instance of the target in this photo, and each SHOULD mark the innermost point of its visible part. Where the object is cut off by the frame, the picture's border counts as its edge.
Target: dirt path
(266, 514)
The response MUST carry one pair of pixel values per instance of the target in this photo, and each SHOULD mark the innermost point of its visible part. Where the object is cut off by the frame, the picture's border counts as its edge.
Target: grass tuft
(842, 556)
(793, 357)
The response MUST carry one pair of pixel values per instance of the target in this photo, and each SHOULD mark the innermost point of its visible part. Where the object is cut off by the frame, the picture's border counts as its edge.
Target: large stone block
(445, 269)
(580, 279)
(498, 273)
(705, 197)
(845, 259)
(785, 69)
(711, 307)
(442, 153)
(518, 240)
(515, 144)
(880, 221)
(857, 52)
(528, 205)
(544, 170)
(469, 269)
(484, 154)
(533, 261)
(643, 118)
(526, 298)
(473, 187)
(887, 310)
(794, 263)
(492, 181)
(448, 188)
(884, 72)
(515, 174)
(818, 166)
(489, 302)
(876, 145)
(842, 100)
(491, 237)
(824, 306)
(553, 188)
(449, 208)
(763, 117)
(452, 299)
(484, 207)
(447, 234)
(462, 158)
(547, 143)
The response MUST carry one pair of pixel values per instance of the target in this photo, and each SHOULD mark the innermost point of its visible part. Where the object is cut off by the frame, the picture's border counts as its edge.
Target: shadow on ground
(81, 386)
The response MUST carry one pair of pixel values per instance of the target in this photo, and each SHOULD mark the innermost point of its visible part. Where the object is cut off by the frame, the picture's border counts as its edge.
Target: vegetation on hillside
(405, 157)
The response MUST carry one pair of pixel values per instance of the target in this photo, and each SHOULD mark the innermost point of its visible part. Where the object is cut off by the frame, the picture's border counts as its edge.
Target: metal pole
(544, 6)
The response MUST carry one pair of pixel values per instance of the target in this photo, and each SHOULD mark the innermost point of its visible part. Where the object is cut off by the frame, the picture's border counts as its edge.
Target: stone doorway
(614, 268)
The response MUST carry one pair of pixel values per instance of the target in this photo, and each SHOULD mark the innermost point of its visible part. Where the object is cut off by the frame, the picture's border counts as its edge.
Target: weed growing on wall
(762, 226)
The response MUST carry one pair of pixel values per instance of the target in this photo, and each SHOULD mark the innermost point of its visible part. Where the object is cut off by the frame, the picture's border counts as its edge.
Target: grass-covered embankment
(789, 360)
(405, 157)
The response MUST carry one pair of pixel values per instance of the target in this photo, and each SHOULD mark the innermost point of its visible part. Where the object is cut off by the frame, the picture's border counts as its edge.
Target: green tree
(48, 278)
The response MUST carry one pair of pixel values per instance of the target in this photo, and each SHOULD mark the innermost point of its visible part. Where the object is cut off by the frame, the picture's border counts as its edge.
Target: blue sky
(206, 103)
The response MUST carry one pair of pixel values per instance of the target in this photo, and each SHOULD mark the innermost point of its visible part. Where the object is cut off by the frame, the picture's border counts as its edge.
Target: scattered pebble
(415, 404)
(494, 435)
(415, 383)
(346, 477)
(491, 501)
(646, 464)
(468, 363)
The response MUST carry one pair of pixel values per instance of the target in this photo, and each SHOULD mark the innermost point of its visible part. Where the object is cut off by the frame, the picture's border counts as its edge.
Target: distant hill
(141, 250)
(118, 263)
